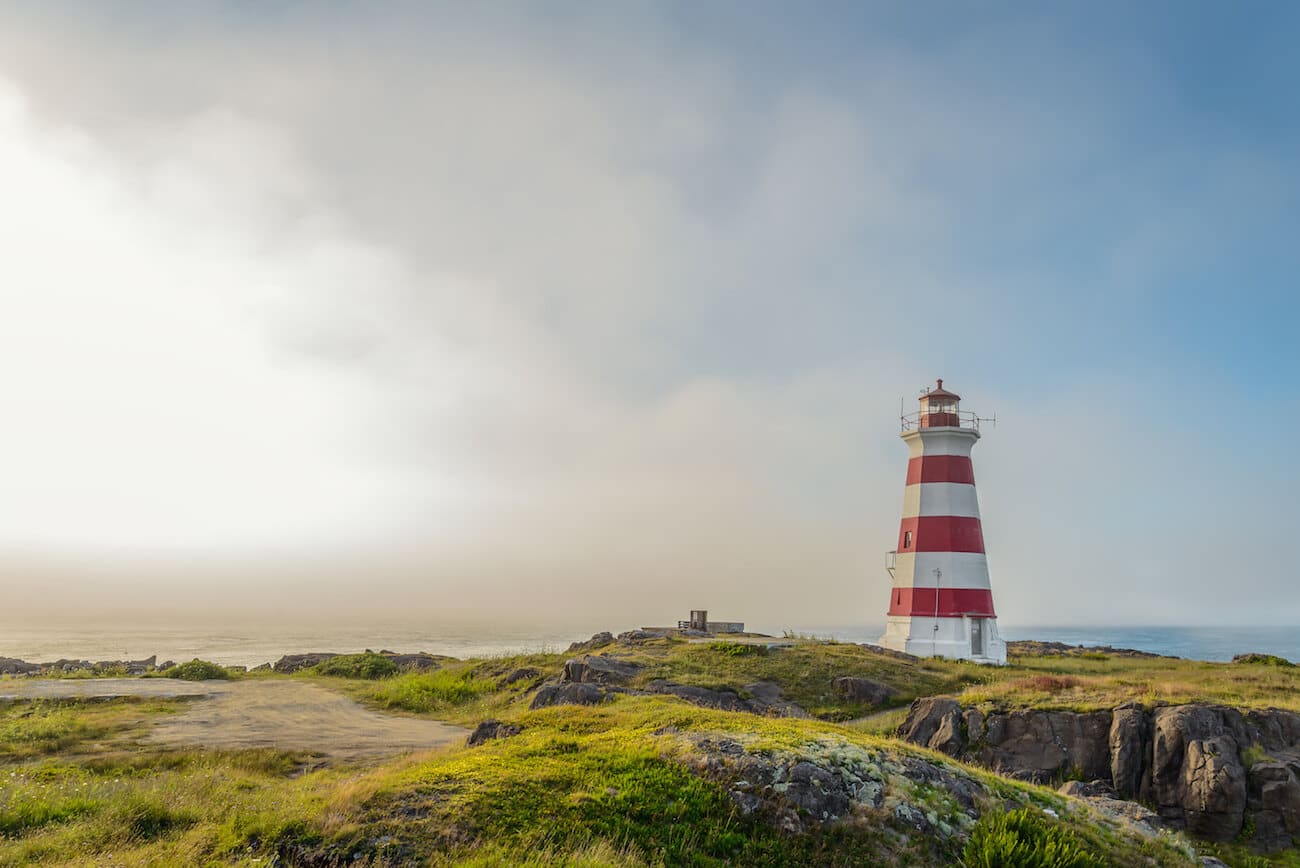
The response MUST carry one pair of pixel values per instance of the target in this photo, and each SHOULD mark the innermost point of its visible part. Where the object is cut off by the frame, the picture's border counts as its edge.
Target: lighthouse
(941, 602)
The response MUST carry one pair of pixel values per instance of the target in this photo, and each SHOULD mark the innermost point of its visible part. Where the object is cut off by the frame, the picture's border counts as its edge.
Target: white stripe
(956, 570)
(952, 441)
(940, 498)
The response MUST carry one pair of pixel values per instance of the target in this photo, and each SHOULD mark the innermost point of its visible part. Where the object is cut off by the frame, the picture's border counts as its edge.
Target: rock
(1197, 780)
(973, 719)
(934, 722)
(166, 664)
(420, 662)
(290, 663)
(599, 640)
(1273, 800)
(635, 636)
(725, 700)
(492, 729)
(14, 666)
(1030, 647)
(863, 689)
(568, 694)
(765, 698)
(263, 667)
(1040, 746)
(525, 673)
(1129, 743)
(1090, 789)
(599, 669)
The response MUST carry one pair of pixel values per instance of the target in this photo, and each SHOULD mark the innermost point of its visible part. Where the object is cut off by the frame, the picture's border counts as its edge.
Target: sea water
(252, 645)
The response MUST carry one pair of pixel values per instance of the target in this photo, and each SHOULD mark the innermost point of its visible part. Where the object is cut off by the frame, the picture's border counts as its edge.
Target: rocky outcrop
(1129, 745)
(291, 663)
(569, 694)
(591, 679)
(1197, 780)
(764, 698)
(524, 673)
(599, 669)
(492, 729)
(828, 781)
(599, 640)
(1189, 761)
(863, 690)
(1032, 647)
(14, 666)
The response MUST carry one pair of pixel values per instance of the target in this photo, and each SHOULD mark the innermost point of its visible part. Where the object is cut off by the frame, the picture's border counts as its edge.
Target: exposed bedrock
(1208, 769)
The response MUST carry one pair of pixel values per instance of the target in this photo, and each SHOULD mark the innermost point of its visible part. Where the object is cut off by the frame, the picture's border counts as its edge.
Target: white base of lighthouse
(962, 638)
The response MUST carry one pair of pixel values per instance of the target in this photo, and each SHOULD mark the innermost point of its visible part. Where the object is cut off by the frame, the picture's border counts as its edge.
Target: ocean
(251, 645)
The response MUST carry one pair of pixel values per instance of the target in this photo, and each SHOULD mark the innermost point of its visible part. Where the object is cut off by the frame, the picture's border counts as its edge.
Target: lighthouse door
(977, 637)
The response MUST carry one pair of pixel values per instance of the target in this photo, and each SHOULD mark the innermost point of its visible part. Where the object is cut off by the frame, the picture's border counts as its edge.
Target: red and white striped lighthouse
(941, 602)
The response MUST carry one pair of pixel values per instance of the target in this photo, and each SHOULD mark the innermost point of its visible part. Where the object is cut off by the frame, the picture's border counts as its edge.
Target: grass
(618, 784)
(43, 727)
(615, 784)
(431, 692)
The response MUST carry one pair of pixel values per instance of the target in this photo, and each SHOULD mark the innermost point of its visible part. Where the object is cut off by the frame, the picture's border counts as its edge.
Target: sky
(603, 312)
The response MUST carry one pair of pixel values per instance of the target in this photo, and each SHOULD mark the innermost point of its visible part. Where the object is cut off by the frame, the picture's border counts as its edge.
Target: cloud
(582, 316)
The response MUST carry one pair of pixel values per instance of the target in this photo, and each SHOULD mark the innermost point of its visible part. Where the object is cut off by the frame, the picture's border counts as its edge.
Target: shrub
(198, 670)
(369, 665)
(1262, 660)
(1025, 839)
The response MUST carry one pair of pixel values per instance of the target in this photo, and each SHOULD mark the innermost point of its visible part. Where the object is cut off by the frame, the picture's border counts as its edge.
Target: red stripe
(952, 602)
(940, 468)
(940, 533)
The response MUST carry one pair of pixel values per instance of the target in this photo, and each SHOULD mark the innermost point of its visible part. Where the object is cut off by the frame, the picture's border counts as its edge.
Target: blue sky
(503, 302)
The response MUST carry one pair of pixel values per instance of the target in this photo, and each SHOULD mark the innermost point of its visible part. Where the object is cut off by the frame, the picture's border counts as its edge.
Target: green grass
(42, 727)
(1093, 684)
(429, 692)
(618, 784)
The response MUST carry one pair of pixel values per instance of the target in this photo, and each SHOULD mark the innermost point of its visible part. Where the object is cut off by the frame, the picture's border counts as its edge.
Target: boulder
(1197, 780)
(635, 636)
(765, 698)
(14, 666)
(420, 662)
(863, 689)
(492, 729)
(1129, 742)
(599, 640)
(290, 663)
(724, 699)
(1041, 746)
(1097, 789)
(525, 673)
(934, 722)
(568, 694)
(599, 669)
(1273, 802)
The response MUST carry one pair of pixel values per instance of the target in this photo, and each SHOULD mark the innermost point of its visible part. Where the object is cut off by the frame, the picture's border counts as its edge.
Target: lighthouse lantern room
(941, 602)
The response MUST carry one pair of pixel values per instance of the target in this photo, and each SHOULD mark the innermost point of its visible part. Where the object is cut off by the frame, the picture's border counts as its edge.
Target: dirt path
(280, 713)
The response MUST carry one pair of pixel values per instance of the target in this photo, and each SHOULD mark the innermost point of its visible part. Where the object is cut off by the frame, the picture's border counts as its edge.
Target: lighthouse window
(907, 539)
